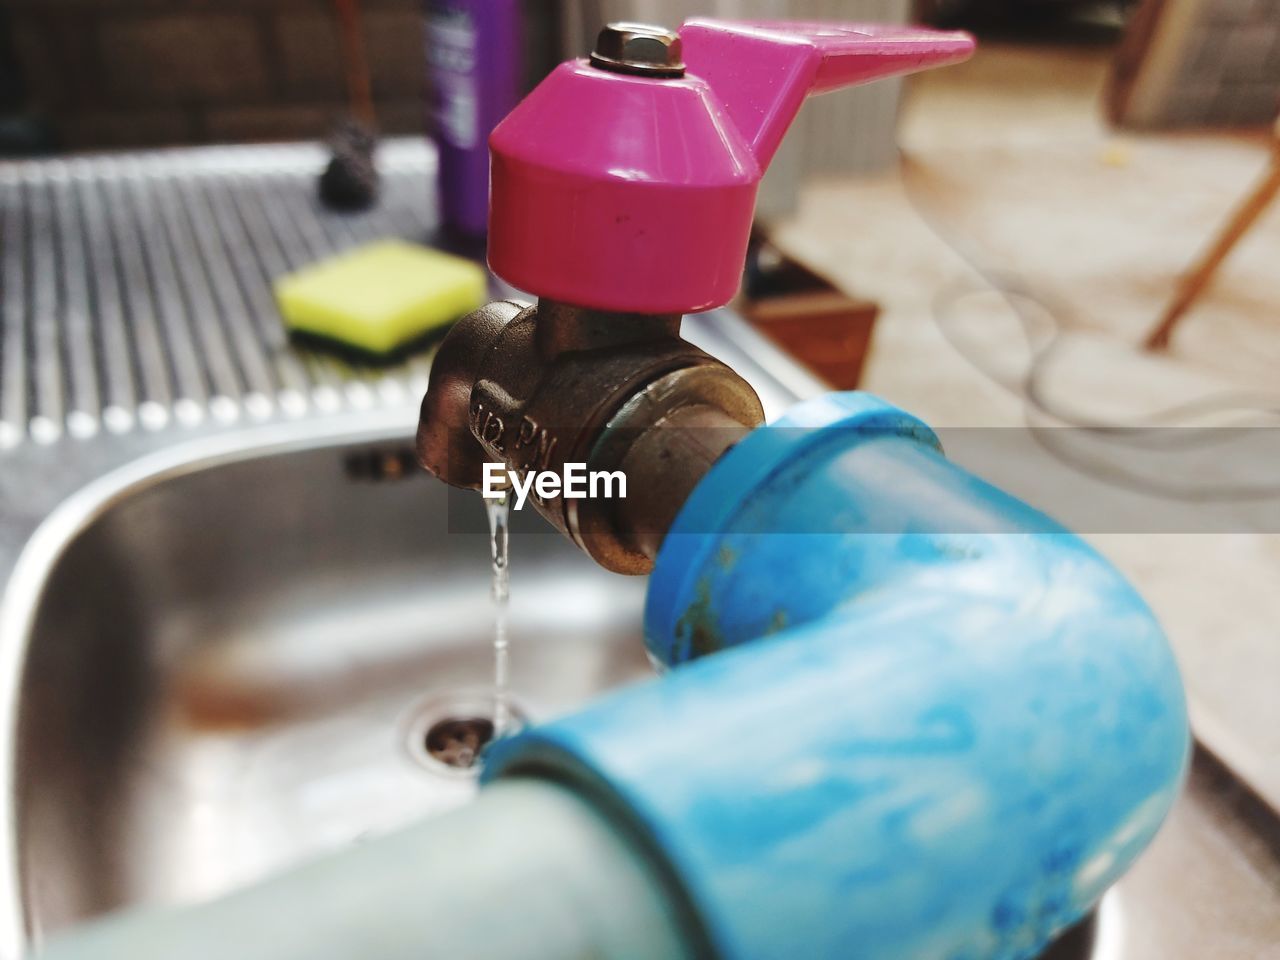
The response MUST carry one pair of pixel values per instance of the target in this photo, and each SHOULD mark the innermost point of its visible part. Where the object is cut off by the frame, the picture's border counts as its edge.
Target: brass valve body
(536, 387)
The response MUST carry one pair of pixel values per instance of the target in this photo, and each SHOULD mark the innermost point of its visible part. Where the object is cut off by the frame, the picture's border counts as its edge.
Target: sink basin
(232, 665)
(220, 655)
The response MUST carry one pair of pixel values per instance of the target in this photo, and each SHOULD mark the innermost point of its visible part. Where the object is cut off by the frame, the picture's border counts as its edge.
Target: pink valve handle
(636, 193)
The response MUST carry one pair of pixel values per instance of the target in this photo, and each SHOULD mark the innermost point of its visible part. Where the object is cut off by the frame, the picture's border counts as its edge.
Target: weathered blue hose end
(955, 727)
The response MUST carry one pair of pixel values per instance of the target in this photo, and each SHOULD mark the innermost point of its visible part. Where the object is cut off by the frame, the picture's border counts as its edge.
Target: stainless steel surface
(226, 667)
(215, 637)
(135, 290)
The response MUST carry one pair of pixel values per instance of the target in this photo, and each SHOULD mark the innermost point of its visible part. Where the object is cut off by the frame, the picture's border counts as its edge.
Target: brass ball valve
(623, 189)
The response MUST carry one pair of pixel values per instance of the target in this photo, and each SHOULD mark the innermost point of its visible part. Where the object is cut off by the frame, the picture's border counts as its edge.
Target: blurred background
(90, 74)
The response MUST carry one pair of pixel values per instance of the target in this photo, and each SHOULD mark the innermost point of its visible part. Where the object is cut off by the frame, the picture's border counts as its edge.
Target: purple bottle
(475, 63)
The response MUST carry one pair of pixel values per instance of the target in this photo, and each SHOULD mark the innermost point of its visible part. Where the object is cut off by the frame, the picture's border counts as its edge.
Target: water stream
(499, 511)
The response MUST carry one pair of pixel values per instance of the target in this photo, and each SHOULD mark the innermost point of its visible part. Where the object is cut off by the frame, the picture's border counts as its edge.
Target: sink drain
(456, 742)
(447, 733)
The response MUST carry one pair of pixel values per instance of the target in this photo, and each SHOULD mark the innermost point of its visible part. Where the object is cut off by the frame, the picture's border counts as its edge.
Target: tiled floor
(1015, 209)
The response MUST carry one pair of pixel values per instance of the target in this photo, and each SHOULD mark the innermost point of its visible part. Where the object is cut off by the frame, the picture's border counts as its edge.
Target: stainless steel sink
(226, 666)
(221, 655)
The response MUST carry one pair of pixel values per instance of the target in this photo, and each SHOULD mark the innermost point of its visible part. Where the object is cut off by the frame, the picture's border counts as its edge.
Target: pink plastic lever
(763, 70)
(636, 193)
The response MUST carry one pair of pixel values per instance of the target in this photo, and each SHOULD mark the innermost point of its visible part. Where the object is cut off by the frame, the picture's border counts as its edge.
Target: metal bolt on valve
(639, 49)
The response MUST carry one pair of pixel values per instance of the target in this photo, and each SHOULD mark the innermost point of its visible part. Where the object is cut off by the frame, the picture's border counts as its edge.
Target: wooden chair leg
(1200, 276)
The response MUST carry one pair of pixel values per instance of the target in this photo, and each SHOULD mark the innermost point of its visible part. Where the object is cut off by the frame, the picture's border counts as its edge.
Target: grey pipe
(529, 871)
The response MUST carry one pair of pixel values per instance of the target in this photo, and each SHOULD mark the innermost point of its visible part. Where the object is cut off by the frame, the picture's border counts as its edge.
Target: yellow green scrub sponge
(381, 296)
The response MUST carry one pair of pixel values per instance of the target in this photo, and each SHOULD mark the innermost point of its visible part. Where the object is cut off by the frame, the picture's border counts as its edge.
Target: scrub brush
(350, 181)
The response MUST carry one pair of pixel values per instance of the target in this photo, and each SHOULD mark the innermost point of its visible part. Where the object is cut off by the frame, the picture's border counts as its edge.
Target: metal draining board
(135, 289)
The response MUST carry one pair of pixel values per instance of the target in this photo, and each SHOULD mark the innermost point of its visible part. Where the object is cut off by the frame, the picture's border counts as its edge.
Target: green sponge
(381, 296)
